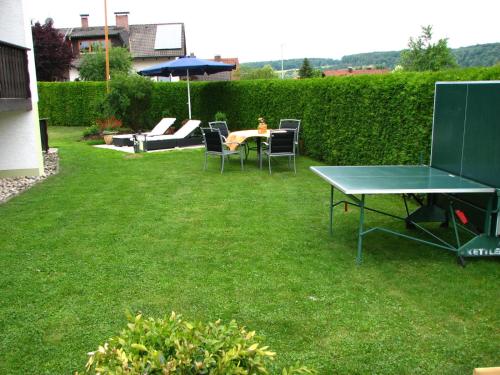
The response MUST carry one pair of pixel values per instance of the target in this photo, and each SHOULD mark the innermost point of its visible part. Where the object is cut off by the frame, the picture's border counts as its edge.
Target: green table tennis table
(358, 181)
(461, 186)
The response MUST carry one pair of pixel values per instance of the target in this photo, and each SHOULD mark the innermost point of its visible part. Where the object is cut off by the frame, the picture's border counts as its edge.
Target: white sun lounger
(158, 130)
(181, 138)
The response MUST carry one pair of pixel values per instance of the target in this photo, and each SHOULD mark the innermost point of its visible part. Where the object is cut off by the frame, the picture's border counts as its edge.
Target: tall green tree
(53, 54)
(306, 70)
(423, 55)
(93, 66)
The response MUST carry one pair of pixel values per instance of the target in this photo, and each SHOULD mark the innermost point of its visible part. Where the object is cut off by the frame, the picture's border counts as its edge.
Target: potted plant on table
(262, 128)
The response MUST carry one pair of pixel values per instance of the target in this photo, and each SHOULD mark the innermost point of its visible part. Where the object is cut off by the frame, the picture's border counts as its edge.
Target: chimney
(85, 21)
(217, 58)
(122, 19)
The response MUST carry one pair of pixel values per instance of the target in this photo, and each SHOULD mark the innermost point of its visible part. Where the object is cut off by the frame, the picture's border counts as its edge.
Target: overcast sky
(259, 30)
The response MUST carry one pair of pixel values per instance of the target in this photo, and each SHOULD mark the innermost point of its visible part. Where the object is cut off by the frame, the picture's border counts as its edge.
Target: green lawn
(154, 233)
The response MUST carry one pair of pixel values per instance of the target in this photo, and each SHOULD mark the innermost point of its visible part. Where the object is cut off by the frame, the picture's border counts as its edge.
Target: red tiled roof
(222, 76)
(227, 60)
(346, 72)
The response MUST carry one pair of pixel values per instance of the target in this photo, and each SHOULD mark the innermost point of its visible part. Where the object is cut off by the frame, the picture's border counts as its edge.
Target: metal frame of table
(258, 140)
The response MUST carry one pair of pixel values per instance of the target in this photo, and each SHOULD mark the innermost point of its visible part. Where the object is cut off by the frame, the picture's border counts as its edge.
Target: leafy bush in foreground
(175, 346)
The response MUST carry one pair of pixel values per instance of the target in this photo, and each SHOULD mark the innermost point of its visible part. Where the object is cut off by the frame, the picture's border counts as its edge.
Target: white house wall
(73, 74)
(12, 22)
(140, 64)
(20, 147)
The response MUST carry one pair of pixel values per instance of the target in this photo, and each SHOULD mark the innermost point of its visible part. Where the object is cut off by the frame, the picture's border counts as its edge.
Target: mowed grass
(154, 233)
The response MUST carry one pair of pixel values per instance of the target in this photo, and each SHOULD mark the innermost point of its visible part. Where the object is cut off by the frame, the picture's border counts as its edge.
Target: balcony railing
(15, 92)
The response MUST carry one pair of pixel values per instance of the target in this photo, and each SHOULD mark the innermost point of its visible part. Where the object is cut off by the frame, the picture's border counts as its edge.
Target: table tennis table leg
(258, 142)
(361, 228)
(331, 210)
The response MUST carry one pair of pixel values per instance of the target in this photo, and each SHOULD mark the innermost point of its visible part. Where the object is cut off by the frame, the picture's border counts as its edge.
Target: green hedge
(370, 119)
(69, 103)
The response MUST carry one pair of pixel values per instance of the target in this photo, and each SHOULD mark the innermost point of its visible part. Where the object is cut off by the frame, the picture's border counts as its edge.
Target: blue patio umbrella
(185, 66)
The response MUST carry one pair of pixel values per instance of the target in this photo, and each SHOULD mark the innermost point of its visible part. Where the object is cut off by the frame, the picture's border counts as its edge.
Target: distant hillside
(387, 59)
(291, 63)
(478, 55)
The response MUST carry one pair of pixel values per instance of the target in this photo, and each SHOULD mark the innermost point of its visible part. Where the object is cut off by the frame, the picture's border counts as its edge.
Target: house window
(90, 46)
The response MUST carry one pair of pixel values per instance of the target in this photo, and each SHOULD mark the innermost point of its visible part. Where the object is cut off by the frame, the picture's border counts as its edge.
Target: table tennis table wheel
(461, 261)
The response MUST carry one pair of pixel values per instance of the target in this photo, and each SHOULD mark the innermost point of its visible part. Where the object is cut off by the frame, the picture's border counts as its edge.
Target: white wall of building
(73, 74)
(20, 147)
(12, 22)
(140, 64)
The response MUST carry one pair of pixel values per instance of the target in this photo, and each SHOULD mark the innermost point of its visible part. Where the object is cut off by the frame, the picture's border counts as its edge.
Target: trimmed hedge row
(69, 103)
(371, 119)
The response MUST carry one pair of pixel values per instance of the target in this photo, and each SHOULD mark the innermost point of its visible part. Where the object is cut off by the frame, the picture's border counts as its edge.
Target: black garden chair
(222, 126)
(292, 124)
(215, 145)
(281, 143)
(224, 131)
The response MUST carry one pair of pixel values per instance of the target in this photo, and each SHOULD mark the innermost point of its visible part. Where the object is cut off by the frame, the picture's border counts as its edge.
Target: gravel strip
(12, 186)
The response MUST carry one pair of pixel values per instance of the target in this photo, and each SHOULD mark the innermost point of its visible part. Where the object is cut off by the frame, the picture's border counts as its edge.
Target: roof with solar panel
(143, 40)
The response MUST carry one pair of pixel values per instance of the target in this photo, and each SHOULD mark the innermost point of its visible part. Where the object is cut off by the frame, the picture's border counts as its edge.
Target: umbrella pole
(189, 94)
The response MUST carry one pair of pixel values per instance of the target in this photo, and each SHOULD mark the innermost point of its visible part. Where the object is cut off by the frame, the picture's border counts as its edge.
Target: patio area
(155, 233)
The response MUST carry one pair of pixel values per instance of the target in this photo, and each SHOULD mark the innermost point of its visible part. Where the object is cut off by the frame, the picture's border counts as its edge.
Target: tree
(266, 72)
(53, 54)
(129, 101)
(306, 71)
(93, 66)
(422, 55)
